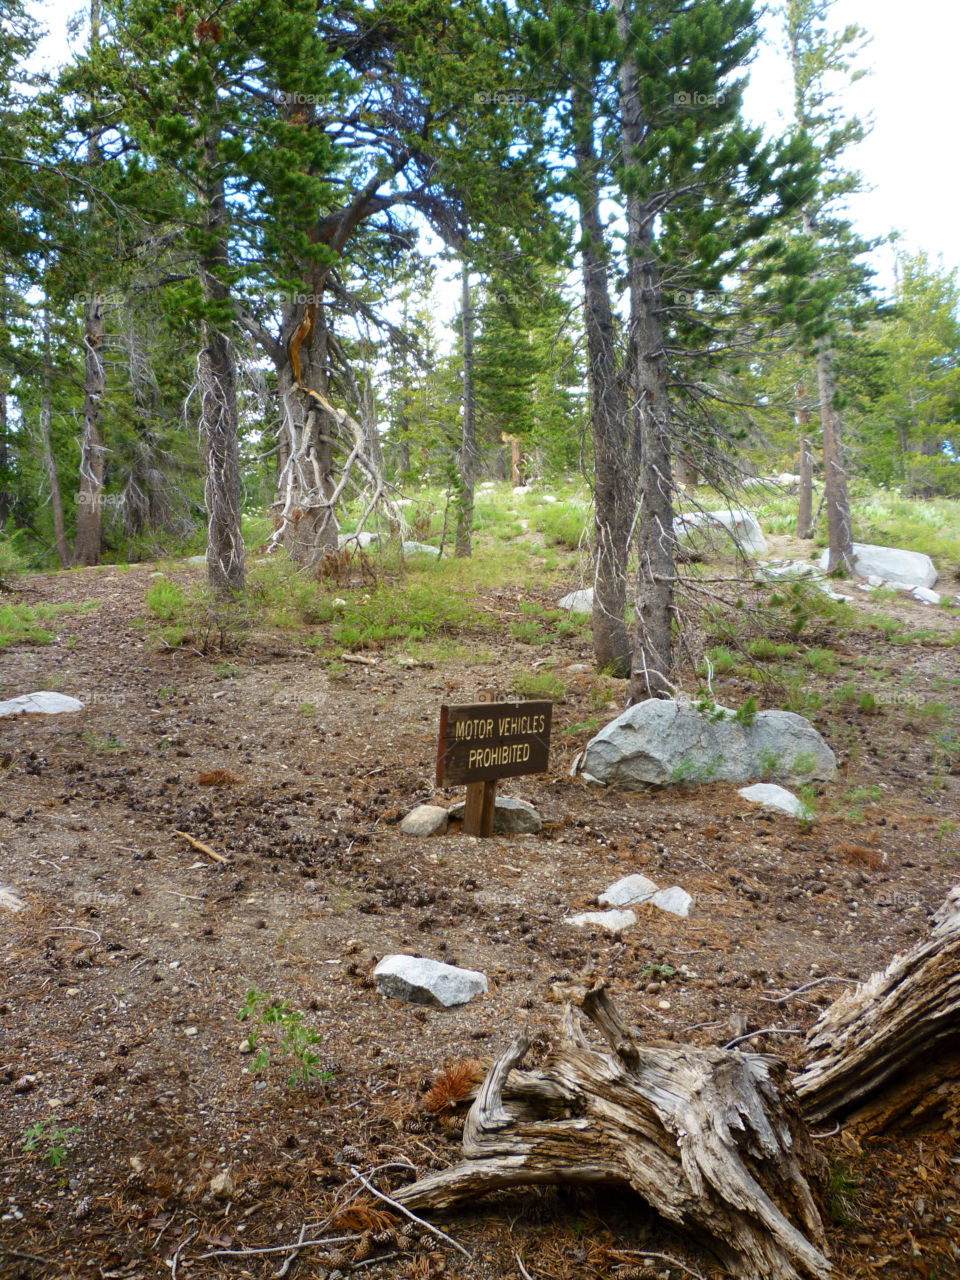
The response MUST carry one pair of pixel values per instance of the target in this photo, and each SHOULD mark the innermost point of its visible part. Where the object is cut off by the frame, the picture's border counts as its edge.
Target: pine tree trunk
(614, 446)
(86, 547)
(86, 550)
(306, 483)
(839, 528)
(467, 457)
(805, 495)
(218, 393)
(49, 461)
(647, 370)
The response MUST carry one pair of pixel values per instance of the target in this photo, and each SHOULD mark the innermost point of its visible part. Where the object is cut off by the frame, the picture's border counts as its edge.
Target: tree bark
(614, 446)
(306, 482)
(647, 370)
(467, 457)
(805, 495)
(49, 461)
(218, 390)
(707, 1137)
(86, 549)
(839, 528)
(890, 1049)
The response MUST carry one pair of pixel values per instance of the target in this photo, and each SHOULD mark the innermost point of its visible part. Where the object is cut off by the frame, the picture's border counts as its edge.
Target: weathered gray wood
(893, 1042)
(705, 1136)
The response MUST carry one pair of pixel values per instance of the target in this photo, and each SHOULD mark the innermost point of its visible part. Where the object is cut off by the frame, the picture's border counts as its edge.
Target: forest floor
(122, 979)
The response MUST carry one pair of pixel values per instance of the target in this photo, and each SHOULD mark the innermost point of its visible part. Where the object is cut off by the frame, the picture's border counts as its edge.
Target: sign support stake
(479, 809)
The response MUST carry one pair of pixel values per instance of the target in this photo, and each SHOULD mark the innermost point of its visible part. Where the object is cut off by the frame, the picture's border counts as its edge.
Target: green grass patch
(543, 685)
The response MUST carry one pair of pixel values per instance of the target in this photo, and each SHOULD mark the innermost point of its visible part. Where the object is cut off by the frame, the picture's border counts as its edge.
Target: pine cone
(363, 1248)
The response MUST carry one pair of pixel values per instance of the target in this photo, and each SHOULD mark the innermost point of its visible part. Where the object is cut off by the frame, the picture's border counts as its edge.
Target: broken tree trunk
(705, 1136)
(890, 1049)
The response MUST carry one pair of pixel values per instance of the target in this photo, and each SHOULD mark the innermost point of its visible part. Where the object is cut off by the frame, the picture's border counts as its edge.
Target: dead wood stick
(422, 1222)
(204, 848)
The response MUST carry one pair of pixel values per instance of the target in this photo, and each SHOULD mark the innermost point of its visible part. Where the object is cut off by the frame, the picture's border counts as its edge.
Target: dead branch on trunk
(890, 1049)
(704, 1136)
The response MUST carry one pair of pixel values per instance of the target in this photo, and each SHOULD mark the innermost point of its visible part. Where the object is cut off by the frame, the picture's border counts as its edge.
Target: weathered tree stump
(890, 1049)
(708, 1137)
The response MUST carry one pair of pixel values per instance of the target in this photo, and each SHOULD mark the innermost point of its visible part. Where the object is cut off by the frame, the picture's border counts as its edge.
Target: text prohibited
(482, 741)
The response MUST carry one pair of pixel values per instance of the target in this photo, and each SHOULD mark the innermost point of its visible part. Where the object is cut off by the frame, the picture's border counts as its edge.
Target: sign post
(483, 741)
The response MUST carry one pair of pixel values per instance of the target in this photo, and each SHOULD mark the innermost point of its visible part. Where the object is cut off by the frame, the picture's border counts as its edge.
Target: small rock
(430, 982)
(10, 900)
(547, 497)
(190, 1031)
(419, 549)
(42, 703)
(771, 796)
(245, 1046)
(675, 900)
(612, 921)
(25, 1084)
(578, 601)
(578, 668)
(630, 889)
(510, 816)
(222, 1185)
(663, 1004)
(425, 820)
(926, 596)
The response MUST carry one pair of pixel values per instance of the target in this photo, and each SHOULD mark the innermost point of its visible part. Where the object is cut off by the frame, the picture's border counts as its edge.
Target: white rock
(578, 601)
(547, 497)
(510, 816)
(909, 568)
(675, 900)
(660, 742)
(10, 900)
(612, 921)
(425, 820)
(635, 888)
(792, 569)
(520, 491)
(196, 559)
(420, 981)
(787, 480)
(420, 549)
(874, 580)
(742, 526)
(926, 596)
(770, 796)
(42, 703)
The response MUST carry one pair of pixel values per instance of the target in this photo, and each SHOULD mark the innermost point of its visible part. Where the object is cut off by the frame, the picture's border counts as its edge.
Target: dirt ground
(123, 977)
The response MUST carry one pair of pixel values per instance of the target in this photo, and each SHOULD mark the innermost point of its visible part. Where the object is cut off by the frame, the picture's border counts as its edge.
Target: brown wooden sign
(486, 740)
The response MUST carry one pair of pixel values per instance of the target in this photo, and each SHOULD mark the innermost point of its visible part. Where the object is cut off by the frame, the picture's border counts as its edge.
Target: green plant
(166, 600)
(687, 772)
(539, 684)
(841, 1194)
(103, 742)
(47, 1133)
(808, 806)
(868, 704)
(823, 661)
(295, 1040)
(804, 762)
(768, 763)
(658, 971)
(225, 670)
(747, 713)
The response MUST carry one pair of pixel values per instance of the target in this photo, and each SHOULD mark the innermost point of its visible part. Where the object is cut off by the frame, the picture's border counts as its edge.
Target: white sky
(910, 160)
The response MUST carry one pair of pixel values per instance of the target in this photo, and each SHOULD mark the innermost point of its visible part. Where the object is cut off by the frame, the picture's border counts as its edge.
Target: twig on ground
(278, 1275)
(800, 990)
(428, 1226)
(276, 1248)
(204, 848)
(523, 1270)
(75, 928)
(662, 1257)
(176, 1255)
(763, 1031)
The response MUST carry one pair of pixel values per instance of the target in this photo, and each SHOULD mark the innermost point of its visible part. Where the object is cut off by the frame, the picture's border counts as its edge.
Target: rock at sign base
(612, 921)
(420, 549)
(419, 981)
(510, 816)
(425, 820)
(10, 901)
(42, 703)
(662, 743)
(926, 596)
(906, 568)
(630, 889)
(578, 601)
(770, 796)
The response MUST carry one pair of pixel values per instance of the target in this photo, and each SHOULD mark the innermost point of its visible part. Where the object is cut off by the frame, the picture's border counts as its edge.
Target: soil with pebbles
(123, 977)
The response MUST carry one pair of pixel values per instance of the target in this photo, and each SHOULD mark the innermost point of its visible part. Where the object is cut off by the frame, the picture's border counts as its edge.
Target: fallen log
(889, 1050)
(710, 1138)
